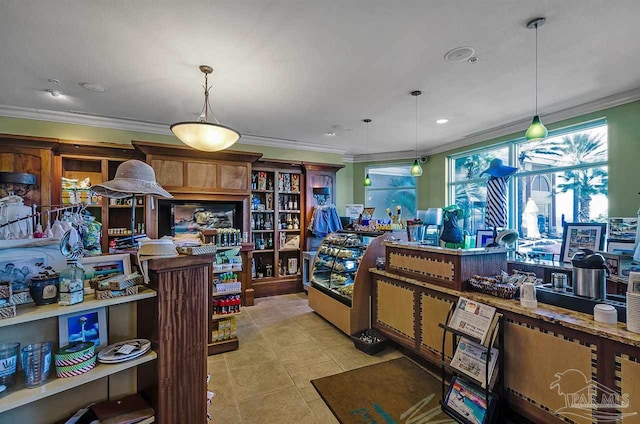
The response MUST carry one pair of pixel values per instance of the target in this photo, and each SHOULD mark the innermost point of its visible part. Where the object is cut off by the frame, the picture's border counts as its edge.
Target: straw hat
(132, 177)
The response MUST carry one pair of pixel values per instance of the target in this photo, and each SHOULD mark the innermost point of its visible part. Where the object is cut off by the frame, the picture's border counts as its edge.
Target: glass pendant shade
(416, 169)
(367, 181)
(536, 131)
(205, 136)
(201, 134)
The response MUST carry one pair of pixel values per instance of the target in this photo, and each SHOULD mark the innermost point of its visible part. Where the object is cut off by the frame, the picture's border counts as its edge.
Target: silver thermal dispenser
(589, 275)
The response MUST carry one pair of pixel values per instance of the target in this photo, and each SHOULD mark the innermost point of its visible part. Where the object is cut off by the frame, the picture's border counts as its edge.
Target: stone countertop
(443, 250)
(553, 314)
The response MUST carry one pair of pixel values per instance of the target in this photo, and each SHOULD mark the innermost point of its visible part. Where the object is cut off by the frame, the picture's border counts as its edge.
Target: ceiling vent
(459, 54)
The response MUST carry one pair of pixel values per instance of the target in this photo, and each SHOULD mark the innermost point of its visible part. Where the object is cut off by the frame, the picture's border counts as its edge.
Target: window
(562, 179)
(391, 186)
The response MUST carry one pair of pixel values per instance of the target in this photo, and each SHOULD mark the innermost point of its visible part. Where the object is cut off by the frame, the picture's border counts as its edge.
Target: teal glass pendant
(536, 131)
(416, 169)
(367, 181)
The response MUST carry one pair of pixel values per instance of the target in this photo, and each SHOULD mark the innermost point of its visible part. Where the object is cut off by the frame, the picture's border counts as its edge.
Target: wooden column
(176, 322)
(246, 253)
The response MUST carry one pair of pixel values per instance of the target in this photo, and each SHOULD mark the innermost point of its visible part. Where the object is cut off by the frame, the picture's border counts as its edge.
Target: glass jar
(72, 279)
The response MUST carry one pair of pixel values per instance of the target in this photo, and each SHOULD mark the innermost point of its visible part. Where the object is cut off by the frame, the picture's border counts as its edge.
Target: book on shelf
(470, 358)
(469, 402)
(474, 319)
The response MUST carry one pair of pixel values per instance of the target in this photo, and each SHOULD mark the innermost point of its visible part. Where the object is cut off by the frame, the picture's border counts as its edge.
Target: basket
(369, 347)
(109, 294)
(505, 291)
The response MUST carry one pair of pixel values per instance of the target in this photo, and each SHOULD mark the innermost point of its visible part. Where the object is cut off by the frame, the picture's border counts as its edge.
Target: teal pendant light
(367, 180)
(416, 169)
(536, 131)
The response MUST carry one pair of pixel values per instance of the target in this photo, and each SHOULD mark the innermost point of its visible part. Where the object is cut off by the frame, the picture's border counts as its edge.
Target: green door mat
(392, 392)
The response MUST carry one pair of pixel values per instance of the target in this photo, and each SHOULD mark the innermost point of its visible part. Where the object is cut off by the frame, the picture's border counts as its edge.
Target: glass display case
(337, 261)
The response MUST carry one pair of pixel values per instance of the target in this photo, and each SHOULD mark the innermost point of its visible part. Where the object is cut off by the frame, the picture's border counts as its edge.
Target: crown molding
(92, 120)
(550, 118)
(117, 123)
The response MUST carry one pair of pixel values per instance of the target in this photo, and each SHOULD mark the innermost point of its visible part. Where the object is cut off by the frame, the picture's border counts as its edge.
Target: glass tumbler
(8, 365)
(36, 363)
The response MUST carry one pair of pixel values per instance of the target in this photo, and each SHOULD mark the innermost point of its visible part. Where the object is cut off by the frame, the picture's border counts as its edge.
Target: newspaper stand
(492, 395)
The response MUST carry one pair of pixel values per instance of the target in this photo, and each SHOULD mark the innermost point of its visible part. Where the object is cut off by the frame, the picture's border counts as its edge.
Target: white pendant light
(416, 169)
(536, 131)
(367, 180)
(203, 135)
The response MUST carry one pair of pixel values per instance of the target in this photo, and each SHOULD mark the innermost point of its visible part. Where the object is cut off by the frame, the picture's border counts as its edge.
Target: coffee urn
(589, 275)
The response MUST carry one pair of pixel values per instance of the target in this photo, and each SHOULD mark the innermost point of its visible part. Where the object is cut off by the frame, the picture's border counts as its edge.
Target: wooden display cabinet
(115, 215)
(277, 214)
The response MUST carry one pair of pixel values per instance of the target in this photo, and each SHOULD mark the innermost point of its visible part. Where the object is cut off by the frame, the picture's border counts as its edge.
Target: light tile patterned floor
(283, 346)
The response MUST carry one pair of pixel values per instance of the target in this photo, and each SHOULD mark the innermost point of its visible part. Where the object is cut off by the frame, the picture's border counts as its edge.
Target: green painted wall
(624, 162)
(58, 130)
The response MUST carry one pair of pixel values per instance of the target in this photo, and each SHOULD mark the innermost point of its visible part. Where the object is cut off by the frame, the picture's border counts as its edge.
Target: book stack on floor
(471, 397)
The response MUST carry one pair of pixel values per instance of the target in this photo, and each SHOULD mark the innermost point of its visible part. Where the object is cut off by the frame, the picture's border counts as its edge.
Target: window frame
(408, 165)
(512, 145)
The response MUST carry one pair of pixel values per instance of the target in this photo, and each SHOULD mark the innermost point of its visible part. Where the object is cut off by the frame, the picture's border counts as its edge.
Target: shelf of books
(475, 389)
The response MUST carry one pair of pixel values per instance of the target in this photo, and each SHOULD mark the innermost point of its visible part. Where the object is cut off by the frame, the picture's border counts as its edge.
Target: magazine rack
(492, 393)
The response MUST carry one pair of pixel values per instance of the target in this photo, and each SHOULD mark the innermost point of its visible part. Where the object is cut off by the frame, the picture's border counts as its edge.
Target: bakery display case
(340, 283)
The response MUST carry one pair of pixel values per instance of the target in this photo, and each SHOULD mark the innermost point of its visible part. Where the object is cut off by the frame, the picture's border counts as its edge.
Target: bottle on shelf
(270, 242)
(296, 223)
(290, 204)
(295, 204)
(260, 269)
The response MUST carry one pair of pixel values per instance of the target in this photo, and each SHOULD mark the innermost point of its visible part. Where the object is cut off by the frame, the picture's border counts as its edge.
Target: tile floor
(283, 346)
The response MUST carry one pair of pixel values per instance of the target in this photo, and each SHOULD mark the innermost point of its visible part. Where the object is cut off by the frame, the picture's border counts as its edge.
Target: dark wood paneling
(177, 325)
(282, 285)
(184, 151)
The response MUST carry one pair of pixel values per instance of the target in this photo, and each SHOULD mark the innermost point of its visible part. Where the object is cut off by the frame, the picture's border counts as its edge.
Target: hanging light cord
(368, 139)
(536, 69)
(416, 126)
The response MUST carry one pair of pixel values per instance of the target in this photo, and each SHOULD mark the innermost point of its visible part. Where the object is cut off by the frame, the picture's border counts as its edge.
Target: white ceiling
(296, 69)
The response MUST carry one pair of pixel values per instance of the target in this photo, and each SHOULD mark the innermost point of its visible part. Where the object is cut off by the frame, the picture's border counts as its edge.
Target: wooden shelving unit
(277, 218)
(31, 312)
(22, 395)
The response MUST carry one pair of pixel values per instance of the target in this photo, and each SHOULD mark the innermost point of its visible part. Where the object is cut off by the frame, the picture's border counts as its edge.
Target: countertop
(552, 314)
(445, 250)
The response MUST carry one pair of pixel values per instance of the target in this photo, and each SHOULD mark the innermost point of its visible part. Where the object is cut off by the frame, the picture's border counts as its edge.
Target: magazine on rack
(473, 318)
(469, 402)
(471, 359)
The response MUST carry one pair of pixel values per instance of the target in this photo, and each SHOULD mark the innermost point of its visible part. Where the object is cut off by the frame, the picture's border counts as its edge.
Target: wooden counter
(541, 345)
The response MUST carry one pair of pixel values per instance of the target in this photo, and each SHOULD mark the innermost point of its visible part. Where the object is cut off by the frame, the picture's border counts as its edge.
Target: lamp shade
(367, 181)
(416, 169)
(205, 136)
(536, 131)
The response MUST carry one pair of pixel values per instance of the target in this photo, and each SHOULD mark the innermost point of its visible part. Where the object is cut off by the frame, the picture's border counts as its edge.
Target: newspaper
(467, 402)
(473, 318)
(471, 359)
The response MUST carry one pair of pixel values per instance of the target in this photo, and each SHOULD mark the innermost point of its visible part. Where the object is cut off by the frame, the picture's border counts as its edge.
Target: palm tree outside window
(566, 176)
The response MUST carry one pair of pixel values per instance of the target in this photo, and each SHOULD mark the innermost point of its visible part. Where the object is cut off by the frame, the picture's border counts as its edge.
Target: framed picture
(19, 270)
(484, 237)
(580, 236)
(85, 326)
(100, 267)
(623, 229)
(619, 247)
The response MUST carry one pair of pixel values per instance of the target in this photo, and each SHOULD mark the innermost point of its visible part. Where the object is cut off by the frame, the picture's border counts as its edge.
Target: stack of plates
(124, 351)
(633, 312)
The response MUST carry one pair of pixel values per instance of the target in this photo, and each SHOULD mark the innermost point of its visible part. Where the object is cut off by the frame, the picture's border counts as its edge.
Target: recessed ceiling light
(53, 81)
(459, 54)
(330, 134)
(442, 121)
(472, 59)
(54, 93)
(92, 86)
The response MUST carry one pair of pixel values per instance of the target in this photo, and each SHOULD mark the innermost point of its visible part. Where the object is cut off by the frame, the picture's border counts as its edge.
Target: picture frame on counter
(620, 247)
(86, 326)
(579, 236)
(623, 229)
(484, 237)
(98, 268)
